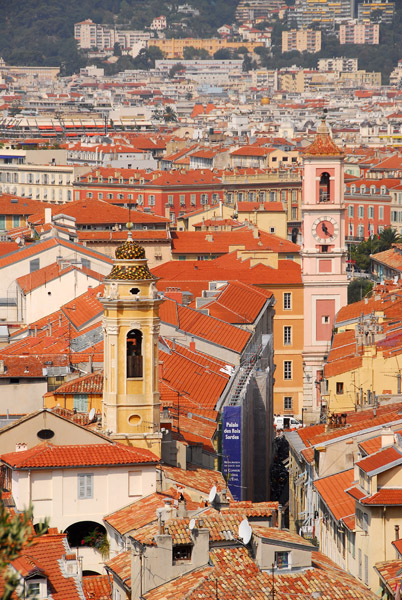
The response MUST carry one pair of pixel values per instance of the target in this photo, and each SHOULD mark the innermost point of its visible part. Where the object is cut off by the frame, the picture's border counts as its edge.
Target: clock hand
(325, 229)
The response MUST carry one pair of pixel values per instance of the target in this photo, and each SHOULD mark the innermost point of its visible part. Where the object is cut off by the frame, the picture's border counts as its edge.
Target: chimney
(396, 532)
(21, 446)
(280, 516)
(387, 437)
(48, 215)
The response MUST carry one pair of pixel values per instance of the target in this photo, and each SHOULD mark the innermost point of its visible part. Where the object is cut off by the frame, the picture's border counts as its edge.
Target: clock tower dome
(323, 258)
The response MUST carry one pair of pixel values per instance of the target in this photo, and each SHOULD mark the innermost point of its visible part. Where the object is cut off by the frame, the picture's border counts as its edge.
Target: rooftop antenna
(245, 532)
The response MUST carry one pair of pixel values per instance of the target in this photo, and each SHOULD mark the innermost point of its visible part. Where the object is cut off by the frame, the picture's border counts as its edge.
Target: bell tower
(323, 259)
(131, 405)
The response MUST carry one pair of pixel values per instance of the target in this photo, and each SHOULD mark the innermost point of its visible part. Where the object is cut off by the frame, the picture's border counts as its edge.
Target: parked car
(286, 422)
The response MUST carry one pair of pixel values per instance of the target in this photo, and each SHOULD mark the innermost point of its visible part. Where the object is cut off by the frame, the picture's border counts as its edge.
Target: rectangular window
(85, 485)
(381, 213)
(33, 589)
(151, 200)
(361, 212)
(351, 211)
(287, 301)
(81, 403)
(100, 196)
(34, 265)
(294, 195)
(2, 222)
(182, 552)
(170, 200)
(282, 560)
(109, 196)
(371, 212)
(182, 200)
(192, 199)
(366, 570)
(287, 369)
(86, 263)
(287, 403)
(294, 213)
(339, 387)
(89, 194)
(287, 335)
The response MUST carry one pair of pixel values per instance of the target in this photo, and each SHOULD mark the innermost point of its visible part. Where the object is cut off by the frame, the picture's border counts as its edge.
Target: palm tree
(387, 238)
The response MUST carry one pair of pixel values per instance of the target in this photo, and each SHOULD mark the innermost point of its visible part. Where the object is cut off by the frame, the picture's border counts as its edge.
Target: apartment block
(302, 40)
(324, 12)
(366, 9)
(251, 10)
(340, 63)
(92, 35)
(359, 33)
(173, 48)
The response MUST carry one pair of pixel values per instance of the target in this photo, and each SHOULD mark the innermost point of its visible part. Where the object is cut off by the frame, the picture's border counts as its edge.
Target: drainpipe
(384, 513)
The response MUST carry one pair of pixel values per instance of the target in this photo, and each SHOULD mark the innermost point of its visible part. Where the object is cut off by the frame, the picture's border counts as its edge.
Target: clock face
(325, 229)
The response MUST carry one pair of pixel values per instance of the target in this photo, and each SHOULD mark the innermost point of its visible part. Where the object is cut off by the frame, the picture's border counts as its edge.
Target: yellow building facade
(173, 48)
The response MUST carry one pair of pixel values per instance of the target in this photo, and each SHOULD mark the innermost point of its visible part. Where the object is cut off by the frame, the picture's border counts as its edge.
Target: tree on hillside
(388, 237)
(191, 53)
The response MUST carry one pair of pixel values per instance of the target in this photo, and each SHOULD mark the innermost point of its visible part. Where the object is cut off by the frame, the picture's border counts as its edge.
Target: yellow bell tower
(131, 404)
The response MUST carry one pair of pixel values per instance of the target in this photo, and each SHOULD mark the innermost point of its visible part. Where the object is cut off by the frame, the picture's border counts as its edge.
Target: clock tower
(323, 259)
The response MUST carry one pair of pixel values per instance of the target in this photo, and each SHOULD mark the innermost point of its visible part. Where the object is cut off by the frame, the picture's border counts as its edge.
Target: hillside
(38, 32)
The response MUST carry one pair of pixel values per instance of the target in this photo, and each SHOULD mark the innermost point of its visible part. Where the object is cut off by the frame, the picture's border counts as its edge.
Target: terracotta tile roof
(204, 327)
(196, 480)
(97, 587)
(143, 511)
(46, 554)
(251, 509)
(381, 460)
(356, 493)
(221, 242)
(7, 247)
(323, 145)
(390, 573)
(281, 535)
(150, 235)
(371, 446)
(187, 584)
(88, 384)
(47, 455)
(332, 491)
(120, 565)
(238, 303)
(252, 151)
(391, 258)
(42, 276)
(18, 205)
(384, 497)
(398, 546)
(308, 454)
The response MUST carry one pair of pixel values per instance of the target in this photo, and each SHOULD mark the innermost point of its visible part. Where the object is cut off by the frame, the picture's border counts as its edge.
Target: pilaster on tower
(131, 403)
(323, 258)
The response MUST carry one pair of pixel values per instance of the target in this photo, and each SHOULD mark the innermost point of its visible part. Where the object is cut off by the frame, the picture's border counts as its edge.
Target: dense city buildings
(200, 320)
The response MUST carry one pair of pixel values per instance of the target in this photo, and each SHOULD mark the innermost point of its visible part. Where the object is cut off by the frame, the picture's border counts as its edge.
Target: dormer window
(383, 190)
(182, 552)
(282, 560)
(362, 189)
(373, 189)
(353, 189)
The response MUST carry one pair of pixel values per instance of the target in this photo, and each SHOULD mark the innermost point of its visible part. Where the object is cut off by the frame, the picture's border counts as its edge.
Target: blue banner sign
(231, 449)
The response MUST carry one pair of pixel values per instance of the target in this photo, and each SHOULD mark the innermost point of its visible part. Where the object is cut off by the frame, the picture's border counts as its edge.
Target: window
(351, 211)
(85, 486)
(192, 199)
(34, 265)
(140, 199)
(151, 200)
(381, 213)
(134, 353)
(86, 263)
(109, 196)
(287, 301)
(16, 220)
(170, 200)
(89, 194)
(282, 560)
(182, 200)
(182, 552)
(339, 387)
(2, 222)
(33, 589)
(324, 187)
(360, 213)
(371, 212)
(287, 335)
(287, 403)
(294, 195)
(81, 403)
(294, 213)
(287, 369)
(100, 196)
(272, 196)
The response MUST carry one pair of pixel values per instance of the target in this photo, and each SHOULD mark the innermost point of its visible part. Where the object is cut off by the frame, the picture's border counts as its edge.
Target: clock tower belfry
(131, 403)
(323, 258)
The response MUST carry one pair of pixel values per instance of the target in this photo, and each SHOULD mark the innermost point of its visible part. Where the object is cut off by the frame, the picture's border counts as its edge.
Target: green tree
(388, 237)
(16, 534)
(358, 289)
(191, 53)
(116, 49)
(223, 54)
(177, 68)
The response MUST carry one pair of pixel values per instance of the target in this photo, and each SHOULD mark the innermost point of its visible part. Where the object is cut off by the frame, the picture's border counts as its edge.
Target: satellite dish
(191, 524)
(245, 531)
(91, 415)
(18, 240)
(212, 494)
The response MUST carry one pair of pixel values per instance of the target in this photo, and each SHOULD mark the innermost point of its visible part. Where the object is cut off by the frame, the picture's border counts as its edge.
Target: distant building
(92, 35)
(385, 10)
(159, 23)
(359, 33)
(302, 40)
(338, 64)
(324, 12)
(251, 10)
(174, 47)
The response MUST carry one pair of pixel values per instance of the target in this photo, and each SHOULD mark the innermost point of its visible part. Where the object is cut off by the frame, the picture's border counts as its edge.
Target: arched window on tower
(324, 187)
(134, 353)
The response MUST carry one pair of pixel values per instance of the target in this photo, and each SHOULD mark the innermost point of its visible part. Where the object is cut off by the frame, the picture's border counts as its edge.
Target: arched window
(134, 353)
(324, 187)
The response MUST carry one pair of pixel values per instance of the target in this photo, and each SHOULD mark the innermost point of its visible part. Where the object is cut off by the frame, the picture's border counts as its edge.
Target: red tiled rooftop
(97, 587)
(47, 455)
(332, 491)
(222, 242)
(384, 497)
(380, 460)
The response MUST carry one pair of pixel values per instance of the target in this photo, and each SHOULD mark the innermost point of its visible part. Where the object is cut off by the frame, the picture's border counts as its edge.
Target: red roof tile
(97, 587)
(381, 459)
(332, 491)
(49, 456)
